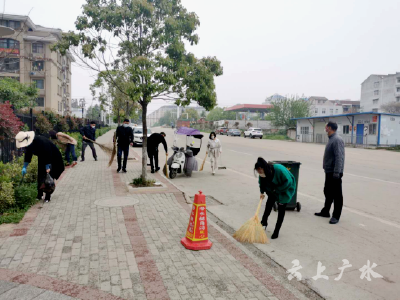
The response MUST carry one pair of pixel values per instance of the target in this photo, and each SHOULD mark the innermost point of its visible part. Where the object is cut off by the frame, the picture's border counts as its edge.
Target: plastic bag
(48, 186)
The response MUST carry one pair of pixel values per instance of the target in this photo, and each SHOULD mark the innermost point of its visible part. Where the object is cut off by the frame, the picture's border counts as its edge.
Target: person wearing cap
(124, 136)
(152, 149)
(49, 157)
(88, 132)
(68, 143)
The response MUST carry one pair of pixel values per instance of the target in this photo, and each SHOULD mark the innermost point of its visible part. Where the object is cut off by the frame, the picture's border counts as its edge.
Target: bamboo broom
(105, 148)
(165, 169)
(204, 161)
(114, 151)
(252, 231)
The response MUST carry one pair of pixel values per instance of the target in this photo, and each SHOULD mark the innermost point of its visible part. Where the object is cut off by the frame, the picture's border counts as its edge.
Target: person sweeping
(280, 186)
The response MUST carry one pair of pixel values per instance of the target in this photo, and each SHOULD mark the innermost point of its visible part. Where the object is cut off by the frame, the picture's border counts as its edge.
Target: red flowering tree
(10, 124)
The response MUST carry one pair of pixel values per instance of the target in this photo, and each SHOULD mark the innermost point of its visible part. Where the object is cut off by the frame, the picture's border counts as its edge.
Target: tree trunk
(144, 148)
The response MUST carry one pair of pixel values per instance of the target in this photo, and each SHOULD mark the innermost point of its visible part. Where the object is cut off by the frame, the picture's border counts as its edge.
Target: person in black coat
(152, 149)
(124, 136)
(49, 157)
(88, 132)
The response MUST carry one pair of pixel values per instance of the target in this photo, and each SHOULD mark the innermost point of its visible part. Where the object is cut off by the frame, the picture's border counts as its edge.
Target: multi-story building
(26, 57)
(321, 106)
(378, 90)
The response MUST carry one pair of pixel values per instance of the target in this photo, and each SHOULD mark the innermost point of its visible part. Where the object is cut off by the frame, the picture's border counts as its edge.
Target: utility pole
(82, 102)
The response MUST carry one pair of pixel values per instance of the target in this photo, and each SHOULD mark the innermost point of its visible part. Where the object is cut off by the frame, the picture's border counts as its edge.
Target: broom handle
(91, 141)
(259, 207)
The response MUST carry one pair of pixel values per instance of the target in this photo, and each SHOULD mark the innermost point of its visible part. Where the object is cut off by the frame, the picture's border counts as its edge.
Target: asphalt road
(369, 228)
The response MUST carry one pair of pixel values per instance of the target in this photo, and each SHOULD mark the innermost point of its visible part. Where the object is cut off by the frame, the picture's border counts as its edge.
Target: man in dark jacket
(88, 132)
(152, 149)
(124, 136)
(333, 166)
(49, 157)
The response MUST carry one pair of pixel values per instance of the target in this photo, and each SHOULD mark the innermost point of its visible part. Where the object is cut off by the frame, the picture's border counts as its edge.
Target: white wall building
(321, 106)
(378, 90)
(379, 129)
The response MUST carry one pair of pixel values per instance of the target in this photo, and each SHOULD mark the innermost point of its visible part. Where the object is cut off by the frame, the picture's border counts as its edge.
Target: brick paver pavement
(86, 251)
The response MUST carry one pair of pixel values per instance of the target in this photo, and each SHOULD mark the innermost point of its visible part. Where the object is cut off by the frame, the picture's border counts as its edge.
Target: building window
(337, 110)
(398, 99)
(398, 89)
(331, 111)
(346, 129)
(323, 111)
(375, 101)
(398, 79)
(316, 110)
(375, 110)
(37, 48)
(40, 101)
(39, 83)
(372, 129)
(11, 24)
(10, 65)
(9, 46)
(376, 92)
(376, 84)
(38, 66)
(304, 130)
(345, 109)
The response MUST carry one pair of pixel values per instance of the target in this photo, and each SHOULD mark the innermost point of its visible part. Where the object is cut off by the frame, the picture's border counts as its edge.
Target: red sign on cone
(197, 233)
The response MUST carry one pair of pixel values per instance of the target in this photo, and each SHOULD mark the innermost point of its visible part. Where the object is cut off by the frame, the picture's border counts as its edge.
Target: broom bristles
(204, 161)
(252, 231)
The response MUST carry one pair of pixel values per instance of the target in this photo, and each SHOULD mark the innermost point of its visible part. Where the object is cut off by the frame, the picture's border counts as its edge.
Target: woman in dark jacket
(280, 186)
(49, 157)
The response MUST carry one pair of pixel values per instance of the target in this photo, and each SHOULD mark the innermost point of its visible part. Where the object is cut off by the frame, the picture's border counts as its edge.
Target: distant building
(275, 97)
(26, 57)
(322, 106)
(378, 90)
(156, 115)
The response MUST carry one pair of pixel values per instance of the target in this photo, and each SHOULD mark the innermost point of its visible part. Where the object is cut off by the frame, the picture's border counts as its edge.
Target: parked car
(222, 130)
(253, 133)
(138, 135)
(234, 132)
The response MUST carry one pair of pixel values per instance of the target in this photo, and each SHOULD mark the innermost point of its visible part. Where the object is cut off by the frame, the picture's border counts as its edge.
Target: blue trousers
(70, 151)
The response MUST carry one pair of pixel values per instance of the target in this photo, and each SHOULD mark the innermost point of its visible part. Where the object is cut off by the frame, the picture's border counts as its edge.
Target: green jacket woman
(280, 186)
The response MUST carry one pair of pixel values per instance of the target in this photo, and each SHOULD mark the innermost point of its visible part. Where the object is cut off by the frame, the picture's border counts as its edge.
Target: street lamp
(82, 103)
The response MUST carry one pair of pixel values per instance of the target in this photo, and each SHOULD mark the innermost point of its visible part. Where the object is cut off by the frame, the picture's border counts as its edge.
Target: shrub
(43, 124)
(10, 124)
(7, 198)
(61, 125)
(139, 182)
(25, 195)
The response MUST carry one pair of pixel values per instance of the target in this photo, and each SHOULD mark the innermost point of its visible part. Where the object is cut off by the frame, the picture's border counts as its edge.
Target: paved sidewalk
(100, 239)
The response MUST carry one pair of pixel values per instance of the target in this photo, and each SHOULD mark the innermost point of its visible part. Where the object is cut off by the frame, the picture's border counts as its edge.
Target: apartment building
(322, 106)
(26, 57)
(378, 90)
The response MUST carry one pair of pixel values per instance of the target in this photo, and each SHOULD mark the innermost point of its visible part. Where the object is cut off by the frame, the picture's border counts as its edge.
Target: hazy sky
(311, 47)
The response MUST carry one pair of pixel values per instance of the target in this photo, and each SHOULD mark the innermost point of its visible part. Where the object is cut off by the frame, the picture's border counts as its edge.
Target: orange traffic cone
(197, 233)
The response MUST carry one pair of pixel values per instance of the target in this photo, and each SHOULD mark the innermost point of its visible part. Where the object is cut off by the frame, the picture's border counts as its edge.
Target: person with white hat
(49, 157)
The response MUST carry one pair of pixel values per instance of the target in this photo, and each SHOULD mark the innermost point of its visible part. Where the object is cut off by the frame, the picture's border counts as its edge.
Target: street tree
(392, 107)
(144, 41)
(192, 114)
(93, 112)
(17, 94)
(286, 109)
(219, 113)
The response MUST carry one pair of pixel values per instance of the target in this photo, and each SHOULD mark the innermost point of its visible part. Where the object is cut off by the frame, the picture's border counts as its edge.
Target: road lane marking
(242, 152)
(323, 201)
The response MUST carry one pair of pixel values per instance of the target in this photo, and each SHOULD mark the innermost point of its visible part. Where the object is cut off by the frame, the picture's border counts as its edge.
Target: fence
(9, 151)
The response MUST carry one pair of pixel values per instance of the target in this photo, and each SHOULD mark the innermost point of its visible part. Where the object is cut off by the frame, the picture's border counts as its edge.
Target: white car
(253, 133)
(138, 135)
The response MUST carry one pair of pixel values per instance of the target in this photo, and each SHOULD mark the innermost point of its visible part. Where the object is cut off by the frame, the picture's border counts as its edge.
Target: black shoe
(124, 170)
(158, 169)
(82, 160)
(333, 221)
(264, 225)
(275, 235)
(320, 214)
(152, 171)
(119, 169)
(95, 159)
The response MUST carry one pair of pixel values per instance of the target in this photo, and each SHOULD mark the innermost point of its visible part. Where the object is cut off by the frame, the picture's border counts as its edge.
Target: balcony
(67, 94)
(37, 74)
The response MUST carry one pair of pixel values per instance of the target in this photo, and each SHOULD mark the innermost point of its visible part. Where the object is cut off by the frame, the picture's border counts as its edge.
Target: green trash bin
(294, 168)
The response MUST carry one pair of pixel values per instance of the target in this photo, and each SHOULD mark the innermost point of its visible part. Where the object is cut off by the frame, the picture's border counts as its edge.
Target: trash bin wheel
(275, 206)
(172, 173)
(298, 206)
